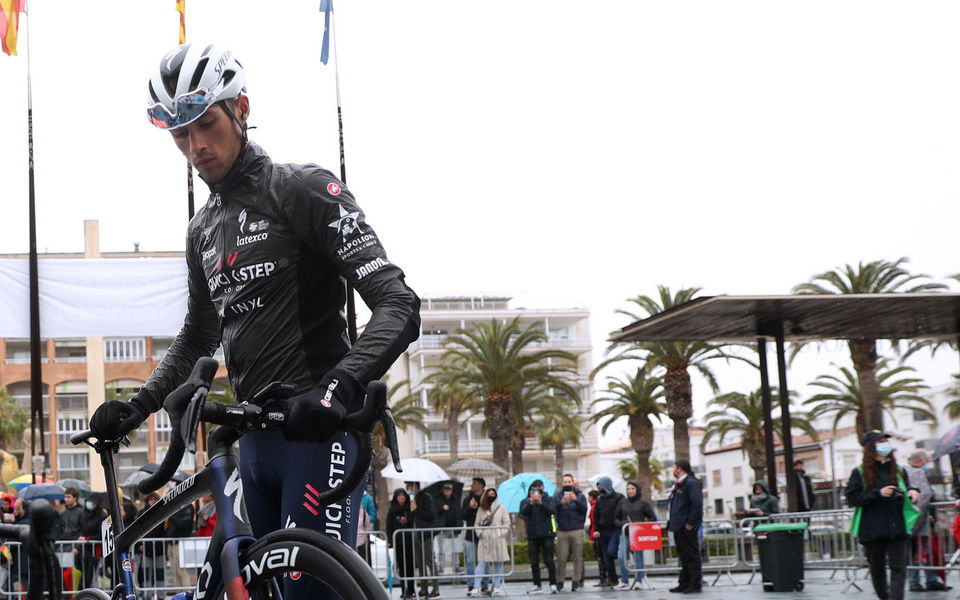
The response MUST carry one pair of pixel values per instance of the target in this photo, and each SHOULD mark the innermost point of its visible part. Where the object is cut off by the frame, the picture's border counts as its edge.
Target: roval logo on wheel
(333, 189)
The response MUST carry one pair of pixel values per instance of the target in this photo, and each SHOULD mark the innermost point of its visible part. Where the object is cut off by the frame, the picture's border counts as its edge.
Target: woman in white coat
(492, 524)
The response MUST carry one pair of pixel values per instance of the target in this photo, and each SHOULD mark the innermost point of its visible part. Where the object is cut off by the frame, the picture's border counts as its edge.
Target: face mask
(928, 467)
(884, 448)
(492, 498)
(89, 505)
(568, 488)
(760, 496)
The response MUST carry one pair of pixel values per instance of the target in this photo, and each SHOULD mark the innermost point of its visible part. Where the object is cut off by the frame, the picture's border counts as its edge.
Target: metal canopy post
(767, 415)
(785, 434)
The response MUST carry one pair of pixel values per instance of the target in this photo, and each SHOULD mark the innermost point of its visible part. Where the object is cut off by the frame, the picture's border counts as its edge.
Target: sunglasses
(189, 107)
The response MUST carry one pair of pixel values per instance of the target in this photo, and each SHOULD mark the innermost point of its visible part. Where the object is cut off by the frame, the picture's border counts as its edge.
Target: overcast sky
(565, 153)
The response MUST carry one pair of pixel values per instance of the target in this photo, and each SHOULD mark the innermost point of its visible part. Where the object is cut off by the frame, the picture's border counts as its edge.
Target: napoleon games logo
(347, 225)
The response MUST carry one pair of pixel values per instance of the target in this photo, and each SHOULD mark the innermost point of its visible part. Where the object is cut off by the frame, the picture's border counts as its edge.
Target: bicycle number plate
(106, 532)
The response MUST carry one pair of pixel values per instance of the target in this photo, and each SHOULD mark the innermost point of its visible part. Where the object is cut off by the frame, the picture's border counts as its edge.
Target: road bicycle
(237, 565)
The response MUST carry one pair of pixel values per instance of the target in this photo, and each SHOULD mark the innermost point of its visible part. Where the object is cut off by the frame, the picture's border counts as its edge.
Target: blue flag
(326, 7)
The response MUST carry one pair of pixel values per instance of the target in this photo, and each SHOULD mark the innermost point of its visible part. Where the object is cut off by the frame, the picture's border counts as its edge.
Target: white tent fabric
(93, 297)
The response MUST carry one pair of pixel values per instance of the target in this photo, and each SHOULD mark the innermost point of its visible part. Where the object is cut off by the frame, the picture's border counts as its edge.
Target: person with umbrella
(425, 514)
(540, 512)
(399, 517)
(468, 512)
(884, 514)
(449, 519)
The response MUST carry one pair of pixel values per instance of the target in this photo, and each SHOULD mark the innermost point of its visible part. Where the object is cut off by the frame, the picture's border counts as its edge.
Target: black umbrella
(436, 489)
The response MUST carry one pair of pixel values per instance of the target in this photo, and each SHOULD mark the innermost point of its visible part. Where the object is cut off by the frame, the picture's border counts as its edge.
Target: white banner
(95, 297)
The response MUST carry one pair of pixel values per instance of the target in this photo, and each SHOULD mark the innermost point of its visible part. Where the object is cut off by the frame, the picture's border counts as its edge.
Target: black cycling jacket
(266, 259)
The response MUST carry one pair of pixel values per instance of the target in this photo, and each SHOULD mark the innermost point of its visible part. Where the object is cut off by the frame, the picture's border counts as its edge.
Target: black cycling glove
(113, 420)
(315, 415)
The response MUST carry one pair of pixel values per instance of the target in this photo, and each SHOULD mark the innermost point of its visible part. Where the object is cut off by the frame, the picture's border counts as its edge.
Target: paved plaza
(818, 586)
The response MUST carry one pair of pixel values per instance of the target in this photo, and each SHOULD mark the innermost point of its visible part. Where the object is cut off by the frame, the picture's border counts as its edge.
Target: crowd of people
(557, 526)
(79, 520)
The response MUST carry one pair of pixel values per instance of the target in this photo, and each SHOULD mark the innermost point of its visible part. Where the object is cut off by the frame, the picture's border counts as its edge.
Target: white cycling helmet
(190, 79)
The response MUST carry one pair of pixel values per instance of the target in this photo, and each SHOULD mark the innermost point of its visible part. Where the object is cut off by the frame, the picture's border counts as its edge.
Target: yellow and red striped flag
(9, 24)
(182, 9)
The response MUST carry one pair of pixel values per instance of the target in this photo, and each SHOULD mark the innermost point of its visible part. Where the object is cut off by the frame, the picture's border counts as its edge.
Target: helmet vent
(197, 74)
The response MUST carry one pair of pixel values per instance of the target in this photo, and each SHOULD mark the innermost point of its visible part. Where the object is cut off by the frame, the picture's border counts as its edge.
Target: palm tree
(628, 469)
(658, 473)
(877, 277)
(408, 411)
(676, 358)
(742, 415)
(844, 396)
(13, 419)
(221, 391)
(637, 398)
(451, 400)
(501, 360)
(557, 428)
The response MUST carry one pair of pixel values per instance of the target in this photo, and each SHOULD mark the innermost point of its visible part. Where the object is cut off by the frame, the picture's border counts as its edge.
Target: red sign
(645, 536)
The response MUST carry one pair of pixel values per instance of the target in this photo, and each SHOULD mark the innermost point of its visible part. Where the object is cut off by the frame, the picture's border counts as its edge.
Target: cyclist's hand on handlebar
(315, 415)
(113, 420)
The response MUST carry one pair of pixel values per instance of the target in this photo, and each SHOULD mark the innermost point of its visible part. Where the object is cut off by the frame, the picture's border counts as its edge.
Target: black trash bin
(780, 546)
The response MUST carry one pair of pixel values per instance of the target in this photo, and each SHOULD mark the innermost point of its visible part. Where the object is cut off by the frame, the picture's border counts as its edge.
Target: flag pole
(36, 376)
(351, 297)
(182, 9)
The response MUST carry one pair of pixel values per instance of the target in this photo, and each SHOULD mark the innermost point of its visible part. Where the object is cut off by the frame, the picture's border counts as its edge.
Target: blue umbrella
(514, 490)
(47, 491)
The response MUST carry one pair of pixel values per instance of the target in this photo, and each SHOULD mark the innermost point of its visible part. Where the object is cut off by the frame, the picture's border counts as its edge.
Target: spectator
(605, 527)
(924, 545)
(540, 511)
(152, 558)
(90, 521)
(468, 512)
(206, 517)
(632, 509)
(181, 525)
(369, 504)
(685, 510)
(882, 518)
(6, 508)
(21, 513)
(400, 517)
(493, 524)
(762, 502)
(363, 535)
(805, 497)
(70, 520)
(594, 536)
(449, 519)
(571, 512)
(425, 515)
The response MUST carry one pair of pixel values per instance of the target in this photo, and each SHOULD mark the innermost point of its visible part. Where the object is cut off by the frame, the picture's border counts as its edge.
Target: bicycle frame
(219, 477)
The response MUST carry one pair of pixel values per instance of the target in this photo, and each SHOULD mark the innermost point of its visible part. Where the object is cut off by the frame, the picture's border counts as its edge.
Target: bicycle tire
(319, 556)
(90, 594)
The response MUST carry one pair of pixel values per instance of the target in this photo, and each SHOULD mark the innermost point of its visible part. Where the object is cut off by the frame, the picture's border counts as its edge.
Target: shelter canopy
(804, 317)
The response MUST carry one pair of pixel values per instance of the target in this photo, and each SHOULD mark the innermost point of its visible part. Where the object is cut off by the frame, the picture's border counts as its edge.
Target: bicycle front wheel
(306, 558)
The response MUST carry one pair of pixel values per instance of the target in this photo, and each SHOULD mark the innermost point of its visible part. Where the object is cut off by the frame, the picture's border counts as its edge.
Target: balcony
(485, 446)
(431, 341)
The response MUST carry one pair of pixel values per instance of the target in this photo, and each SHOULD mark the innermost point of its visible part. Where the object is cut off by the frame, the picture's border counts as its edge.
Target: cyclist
(267, 257)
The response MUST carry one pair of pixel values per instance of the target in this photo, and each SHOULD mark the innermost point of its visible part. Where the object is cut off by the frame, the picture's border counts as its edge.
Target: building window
(717, 479)
(74, 465)
(737, 475)
(161, 424)
(72, 401)
(718, 506)
(124, 349)
(740, 504)
(919, 416)
(67, 426)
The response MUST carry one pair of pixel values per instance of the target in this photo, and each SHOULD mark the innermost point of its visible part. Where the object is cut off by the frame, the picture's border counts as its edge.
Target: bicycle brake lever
(275, 390)
(390, 433)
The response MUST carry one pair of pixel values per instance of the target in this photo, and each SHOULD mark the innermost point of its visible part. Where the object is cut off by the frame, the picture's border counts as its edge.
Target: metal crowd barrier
(439, 555)
(374, 549)
(938, 551)
(828, 543)
(718, 551)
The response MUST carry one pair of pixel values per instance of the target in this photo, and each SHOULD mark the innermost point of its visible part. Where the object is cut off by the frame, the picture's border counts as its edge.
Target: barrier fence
(426, 557)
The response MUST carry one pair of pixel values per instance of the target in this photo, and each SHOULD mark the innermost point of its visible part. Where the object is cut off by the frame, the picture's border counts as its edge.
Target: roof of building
(802, 317)
(798, 440)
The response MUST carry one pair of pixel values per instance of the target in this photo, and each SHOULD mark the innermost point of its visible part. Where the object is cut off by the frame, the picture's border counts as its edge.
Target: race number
(106, 532)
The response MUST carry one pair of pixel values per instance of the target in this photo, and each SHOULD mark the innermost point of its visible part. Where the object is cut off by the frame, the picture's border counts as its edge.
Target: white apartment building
(567, 329)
